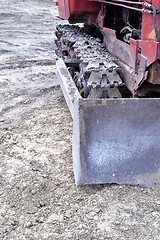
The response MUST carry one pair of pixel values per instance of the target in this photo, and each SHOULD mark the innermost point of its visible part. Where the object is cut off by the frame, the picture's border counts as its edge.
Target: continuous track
(92, 68)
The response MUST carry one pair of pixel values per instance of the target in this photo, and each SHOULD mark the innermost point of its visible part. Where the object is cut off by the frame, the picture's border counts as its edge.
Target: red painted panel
(149, 50)
(148, 32)
(83, 6)
(64, 9)
(125, 52)
(67, 8)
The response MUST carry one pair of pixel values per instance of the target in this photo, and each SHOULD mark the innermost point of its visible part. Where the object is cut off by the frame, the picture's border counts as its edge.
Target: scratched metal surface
(119, 141)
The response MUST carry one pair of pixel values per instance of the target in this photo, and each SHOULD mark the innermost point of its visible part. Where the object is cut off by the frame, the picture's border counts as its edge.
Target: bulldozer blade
(114, 140)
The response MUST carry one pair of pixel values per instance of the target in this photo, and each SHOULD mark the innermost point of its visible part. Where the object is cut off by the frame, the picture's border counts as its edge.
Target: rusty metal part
(154, 73)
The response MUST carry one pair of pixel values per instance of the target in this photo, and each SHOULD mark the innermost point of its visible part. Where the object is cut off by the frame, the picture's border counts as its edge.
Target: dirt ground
(38, 196)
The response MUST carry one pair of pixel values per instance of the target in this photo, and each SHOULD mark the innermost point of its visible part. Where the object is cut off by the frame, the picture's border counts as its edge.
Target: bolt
(138, 62)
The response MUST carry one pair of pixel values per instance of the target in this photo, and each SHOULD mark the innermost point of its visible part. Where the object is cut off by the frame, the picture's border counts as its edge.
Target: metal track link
(92, 68)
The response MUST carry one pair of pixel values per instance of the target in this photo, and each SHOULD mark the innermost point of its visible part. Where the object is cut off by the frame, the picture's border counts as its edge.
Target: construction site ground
(38, 196)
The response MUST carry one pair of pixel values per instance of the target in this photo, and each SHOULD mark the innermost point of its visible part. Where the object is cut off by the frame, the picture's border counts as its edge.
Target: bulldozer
(109, 72)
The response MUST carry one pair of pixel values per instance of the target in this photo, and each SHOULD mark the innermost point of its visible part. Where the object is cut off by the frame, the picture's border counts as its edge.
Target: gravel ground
(38, 196)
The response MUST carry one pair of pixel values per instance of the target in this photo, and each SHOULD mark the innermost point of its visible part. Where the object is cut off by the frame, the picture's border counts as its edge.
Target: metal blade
(117, 141)
(114, 140)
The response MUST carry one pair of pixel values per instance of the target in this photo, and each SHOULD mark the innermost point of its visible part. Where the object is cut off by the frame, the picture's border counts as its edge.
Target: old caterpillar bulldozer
(109, 72)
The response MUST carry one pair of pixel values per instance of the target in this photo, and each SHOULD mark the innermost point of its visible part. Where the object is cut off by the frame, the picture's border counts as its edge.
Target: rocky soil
(38, 196)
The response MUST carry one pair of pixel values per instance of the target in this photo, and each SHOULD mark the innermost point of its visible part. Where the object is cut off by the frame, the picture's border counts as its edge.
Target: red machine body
(130, 31)
(115, 131)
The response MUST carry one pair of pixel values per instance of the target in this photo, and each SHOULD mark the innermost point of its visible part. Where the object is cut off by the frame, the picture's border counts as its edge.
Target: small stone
(29, 224)
(158, 202)
(154, 214)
